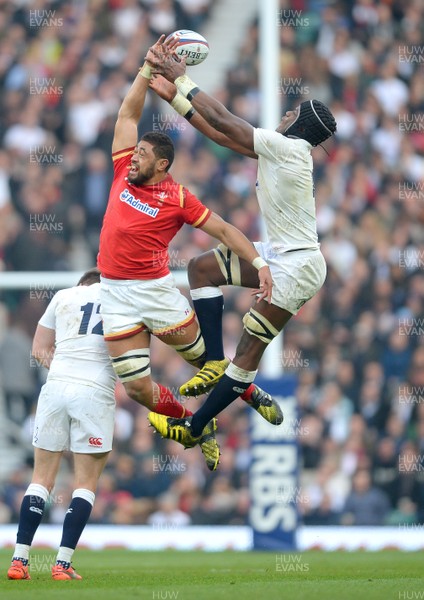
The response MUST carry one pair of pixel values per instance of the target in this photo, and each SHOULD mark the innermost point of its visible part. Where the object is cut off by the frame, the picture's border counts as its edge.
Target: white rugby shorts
(297, 276)
(73, 416)
(130, 306)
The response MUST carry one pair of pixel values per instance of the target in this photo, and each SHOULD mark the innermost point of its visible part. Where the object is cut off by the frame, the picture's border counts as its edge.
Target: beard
(141, 178)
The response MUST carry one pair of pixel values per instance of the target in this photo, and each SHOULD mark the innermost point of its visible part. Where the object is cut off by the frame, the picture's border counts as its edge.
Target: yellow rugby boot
(206, 378)
(266, 406)
(179, 430)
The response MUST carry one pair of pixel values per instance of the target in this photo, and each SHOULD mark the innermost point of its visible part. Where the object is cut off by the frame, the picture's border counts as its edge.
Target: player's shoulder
(169, 183)
(123, 153)
(174, 192)
(275, 137)
(77, 292)
(269, 142)
(266, 135)
(91, 292)
(121, 160)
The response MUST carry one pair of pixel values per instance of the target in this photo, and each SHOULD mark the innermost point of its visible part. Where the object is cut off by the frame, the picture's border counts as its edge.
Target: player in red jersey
(146, 208)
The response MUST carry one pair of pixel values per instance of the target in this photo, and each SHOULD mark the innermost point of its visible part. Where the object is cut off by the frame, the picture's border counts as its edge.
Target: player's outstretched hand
(265, 285)
(164, 60)
(163, 88)
(156, 52)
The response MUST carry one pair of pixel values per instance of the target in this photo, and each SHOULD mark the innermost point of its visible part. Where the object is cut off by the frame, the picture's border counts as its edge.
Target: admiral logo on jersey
(143, 207)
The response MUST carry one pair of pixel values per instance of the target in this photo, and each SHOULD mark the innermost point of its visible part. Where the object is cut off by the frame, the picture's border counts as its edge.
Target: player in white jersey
(285, 195)
(75, 411)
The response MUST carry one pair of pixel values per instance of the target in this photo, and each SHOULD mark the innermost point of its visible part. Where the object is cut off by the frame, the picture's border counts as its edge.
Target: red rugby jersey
(140, 221)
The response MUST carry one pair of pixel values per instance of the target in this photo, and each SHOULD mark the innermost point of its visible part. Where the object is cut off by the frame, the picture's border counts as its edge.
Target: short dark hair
(90, 276)
(163, 146)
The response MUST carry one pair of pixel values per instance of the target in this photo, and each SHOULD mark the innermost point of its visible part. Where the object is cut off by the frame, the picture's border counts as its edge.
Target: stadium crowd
(357, 347)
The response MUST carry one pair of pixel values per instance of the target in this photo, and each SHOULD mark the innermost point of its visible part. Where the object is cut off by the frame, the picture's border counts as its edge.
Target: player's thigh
(46, 466)
(172, 320)
(188, 342)
(52, 421)
(185, 334)
(138, 341)
(234, 270)
(88, 468)
(275, 315)
(204, 270)
(121, 308)
(262, 323)
(131, 363)
(92, 413)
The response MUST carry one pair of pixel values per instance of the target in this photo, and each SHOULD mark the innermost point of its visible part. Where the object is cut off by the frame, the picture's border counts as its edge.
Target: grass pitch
(172, 575)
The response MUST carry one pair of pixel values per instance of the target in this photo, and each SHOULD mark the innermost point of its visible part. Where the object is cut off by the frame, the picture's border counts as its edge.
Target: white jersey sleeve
(285, 190)
(49, 317)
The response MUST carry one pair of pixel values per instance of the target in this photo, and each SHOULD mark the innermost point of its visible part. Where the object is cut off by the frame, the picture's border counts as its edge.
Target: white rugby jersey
(285, 190)
(80, 355)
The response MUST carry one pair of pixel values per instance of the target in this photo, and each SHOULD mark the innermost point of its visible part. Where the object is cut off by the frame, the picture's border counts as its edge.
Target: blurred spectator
(18, 379)
(168, 514)
(386, 469)
(323, 514)
(404, 514)
(366, 504)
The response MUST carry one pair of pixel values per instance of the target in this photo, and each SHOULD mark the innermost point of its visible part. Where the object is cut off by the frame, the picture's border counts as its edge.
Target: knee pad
(229, 263)
(194, 351)
(259, 326)
(132, 364)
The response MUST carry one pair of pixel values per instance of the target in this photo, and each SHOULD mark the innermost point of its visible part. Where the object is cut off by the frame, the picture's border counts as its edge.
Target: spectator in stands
(168, 514)
(366, 504)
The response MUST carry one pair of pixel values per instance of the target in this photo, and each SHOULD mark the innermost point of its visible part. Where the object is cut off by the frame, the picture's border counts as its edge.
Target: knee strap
(133, 364)
(259, 326)
(193, 351)
(229, 263)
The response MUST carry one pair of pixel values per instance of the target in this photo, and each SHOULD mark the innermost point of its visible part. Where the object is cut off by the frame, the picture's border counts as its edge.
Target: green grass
(116, 574)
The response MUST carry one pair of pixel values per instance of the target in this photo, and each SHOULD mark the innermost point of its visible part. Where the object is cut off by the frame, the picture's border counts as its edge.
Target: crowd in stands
(357, 347)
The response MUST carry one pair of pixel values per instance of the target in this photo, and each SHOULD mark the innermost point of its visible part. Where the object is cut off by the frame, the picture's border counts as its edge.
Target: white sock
(21, 551)
(240, 374)
(65, 554)
(208, 291)
(36, 489)
(84, 494)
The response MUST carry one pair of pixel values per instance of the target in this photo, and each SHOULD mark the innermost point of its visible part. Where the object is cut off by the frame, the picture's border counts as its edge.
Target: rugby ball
(191, 45)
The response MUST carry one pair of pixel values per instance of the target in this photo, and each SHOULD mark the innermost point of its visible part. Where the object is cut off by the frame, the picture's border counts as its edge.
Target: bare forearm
(133, 103)
(236, 241)
(212, 111)
(206, 129)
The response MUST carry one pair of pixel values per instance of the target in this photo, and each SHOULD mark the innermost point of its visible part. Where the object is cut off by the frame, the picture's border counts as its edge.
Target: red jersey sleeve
(121, 161)
(195, 213)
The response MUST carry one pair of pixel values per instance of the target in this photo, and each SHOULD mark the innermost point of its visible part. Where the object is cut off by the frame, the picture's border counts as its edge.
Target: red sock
(168, 405)
(247, 395)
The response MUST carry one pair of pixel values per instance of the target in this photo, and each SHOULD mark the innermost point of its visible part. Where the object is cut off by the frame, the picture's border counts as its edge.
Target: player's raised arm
(173, 69)
(236, 241)
(168, 92)
(125, 135)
